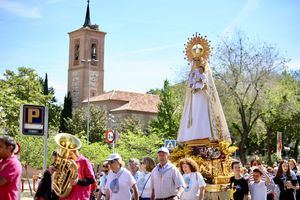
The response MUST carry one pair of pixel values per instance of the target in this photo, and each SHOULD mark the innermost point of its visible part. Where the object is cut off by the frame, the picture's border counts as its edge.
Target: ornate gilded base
(200, 142)
(213, 158)
(222, 179)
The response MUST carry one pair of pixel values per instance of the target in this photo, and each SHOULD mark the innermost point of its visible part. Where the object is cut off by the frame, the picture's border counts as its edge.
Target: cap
(257, 169)
(114, 156)
(163, 149)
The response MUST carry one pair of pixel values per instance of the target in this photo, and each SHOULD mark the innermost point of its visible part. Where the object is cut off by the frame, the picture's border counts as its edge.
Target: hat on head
(258, 170)
(114, 156)
(163, 149)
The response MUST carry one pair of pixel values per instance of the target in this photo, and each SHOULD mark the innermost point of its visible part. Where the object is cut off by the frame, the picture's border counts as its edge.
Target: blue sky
(144, 40)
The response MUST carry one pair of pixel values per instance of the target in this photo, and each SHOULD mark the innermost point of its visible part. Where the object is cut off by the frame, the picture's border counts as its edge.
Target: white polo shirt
(166, 184)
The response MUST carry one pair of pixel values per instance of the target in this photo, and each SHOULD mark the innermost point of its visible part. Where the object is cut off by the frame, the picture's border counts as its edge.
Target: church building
(86, 77)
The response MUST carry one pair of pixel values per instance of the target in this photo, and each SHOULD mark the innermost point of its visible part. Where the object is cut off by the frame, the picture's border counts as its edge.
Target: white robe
(200, 126)
(202, 115)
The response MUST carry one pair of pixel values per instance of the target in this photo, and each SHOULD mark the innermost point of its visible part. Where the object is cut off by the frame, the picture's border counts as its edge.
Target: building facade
(86, 77)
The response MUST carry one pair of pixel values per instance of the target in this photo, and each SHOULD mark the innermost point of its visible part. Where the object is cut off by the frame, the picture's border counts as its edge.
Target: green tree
(54, 116)
(45, 86)
(167, 122)
(98, 123)
(54, 108)
(138, 145)
(278, 107)
(66, 113)
(245, 68)
(130, 124)
(19, 88)
(96, 152)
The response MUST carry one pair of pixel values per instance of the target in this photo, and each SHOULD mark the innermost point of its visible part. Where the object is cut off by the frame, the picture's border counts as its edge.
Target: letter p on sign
(33, 113)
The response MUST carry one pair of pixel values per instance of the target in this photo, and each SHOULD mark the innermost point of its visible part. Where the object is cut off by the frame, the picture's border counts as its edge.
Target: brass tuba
(66, 167)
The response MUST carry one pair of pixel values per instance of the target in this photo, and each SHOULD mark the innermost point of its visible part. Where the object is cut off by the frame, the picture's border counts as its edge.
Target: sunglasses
(111, 161)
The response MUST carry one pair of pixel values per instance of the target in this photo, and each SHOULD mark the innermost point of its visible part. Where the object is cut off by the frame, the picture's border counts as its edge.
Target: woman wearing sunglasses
(103, 180)
(144, 179)
(119, 180)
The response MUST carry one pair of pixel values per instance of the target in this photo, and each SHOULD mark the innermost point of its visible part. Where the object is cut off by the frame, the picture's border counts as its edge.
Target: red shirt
(11, 170)
(85, 170)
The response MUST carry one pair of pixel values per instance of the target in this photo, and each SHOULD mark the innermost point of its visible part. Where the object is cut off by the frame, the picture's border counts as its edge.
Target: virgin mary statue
(202, 118)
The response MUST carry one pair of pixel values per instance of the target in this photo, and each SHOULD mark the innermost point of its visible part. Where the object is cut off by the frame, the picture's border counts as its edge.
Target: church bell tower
(86, 61)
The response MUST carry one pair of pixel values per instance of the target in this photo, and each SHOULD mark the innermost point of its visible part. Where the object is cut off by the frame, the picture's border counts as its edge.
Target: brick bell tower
(86, 61)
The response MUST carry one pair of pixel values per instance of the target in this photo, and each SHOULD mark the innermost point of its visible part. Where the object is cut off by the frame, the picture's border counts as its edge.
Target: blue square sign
(170, 144)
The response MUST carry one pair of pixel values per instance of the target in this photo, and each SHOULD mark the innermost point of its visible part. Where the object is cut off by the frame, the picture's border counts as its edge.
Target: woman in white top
(119, 180)
(144, 180)
(194, 181)
(103, 179)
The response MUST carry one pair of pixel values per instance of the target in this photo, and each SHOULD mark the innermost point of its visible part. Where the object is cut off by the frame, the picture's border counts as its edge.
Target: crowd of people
(145, 180)
(265, 182)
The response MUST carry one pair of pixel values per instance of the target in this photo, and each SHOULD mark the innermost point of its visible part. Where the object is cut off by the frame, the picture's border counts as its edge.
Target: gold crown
(197, 50)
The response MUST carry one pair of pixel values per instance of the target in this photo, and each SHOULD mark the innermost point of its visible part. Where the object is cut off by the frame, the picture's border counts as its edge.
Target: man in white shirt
(166, 181)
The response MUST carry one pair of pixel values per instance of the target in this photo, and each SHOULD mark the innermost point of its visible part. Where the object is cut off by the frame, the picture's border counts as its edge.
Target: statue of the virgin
(202, 119)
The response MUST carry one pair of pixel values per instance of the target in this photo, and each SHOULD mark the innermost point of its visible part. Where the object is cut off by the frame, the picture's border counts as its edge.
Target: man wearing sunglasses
(10, 169)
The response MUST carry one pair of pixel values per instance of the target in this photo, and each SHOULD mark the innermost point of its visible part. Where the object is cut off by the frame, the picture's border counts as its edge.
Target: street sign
(110, 137)
(279, 145)
(33, 120)
(170, 144)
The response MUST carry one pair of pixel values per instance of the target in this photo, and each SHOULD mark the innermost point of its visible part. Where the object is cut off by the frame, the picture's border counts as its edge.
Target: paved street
(26, 194)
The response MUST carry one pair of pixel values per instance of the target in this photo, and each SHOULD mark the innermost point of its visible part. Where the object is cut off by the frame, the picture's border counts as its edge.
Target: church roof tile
(133, 101)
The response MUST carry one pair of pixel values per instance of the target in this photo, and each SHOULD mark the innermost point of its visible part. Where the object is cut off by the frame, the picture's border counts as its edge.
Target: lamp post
(88, 61)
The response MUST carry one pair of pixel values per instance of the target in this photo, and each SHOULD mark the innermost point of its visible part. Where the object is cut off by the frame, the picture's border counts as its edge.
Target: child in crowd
(258, 187)
(238, 183)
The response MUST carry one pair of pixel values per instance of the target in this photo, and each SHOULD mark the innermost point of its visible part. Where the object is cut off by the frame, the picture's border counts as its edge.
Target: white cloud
(248, 8)
(20, 9)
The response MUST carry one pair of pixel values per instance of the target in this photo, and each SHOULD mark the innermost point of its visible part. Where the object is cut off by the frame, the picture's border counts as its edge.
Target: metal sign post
(113, 145)
(45, 138)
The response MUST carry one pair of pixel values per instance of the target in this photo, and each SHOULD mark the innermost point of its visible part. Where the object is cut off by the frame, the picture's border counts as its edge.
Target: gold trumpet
(66, 167)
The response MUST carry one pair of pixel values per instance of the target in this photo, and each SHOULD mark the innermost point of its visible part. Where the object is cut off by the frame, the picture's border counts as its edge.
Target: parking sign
(33, 120)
